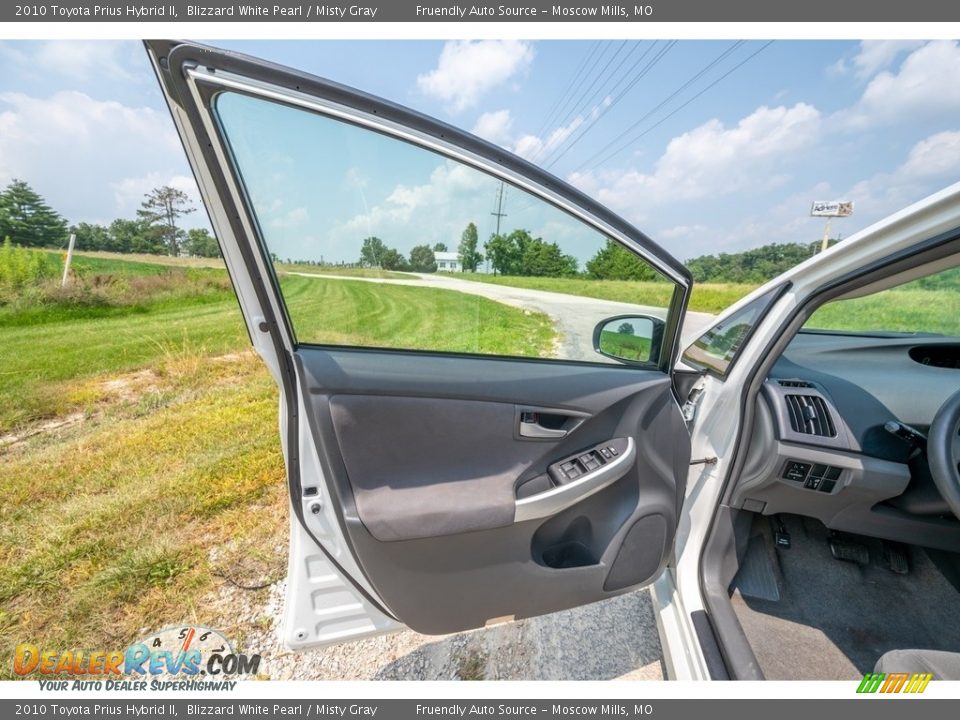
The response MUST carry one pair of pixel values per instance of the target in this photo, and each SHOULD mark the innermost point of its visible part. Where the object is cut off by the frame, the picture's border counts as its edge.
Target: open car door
(458, 453)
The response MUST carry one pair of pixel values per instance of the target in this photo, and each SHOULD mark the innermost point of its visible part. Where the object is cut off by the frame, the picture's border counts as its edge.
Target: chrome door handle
(536, 430)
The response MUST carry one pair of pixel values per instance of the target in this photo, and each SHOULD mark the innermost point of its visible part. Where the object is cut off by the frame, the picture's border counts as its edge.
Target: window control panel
(822, 478)
(585, 462)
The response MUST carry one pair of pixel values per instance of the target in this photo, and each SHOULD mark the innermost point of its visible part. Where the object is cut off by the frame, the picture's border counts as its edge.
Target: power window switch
(606, 453)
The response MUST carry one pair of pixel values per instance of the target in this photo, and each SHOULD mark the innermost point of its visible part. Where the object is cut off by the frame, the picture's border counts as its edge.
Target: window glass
(929, 305)
(717, 349)
(377, 242)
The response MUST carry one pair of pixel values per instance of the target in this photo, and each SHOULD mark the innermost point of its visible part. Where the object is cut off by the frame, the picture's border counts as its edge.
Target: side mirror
(629, 338)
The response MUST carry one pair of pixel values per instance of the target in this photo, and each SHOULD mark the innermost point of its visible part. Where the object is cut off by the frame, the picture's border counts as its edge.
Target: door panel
(428, 481)
(428, 486)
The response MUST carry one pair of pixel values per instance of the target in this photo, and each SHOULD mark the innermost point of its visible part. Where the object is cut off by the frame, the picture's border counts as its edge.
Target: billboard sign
(831, 208)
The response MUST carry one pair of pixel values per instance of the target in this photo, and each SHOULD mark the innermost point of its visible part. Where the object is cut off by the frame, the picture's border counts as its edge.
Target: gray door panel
(424, 455)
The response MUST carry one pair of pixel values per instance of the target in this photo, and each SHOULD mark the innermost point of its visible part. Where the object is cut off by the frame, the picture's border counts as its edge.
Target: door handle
(533, 429)
(563, 422)
(561, 497)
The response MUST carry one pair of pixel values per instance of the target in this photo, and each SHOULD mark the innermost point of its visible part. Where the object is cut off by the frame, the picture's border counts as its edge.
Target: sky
(706, 146)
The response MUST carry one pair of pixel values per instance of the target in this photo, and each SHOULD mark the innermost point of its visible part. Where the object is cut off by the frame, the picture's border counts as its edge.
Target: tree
(615, 262)
(27, 219)
(422, 259)
(543, 259)
(371, 252)
(467, 250)
(393, 260)
(161, 210)
(626, 328)
(751, 266)
(135, 236)
(502, 254)
(91, 236)
(439, 247)
(200, 243)
(519, 253)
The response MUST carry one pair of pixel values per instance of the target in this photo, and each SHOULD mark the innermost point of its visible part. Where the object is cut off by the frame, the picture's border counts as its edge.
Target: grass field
(148, 429)
(711, 298)
(145, 476)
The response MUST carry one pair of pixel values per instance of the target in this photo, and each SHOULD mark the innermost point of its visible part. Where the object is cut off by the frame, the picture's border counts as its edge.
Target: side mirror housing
(629, 338)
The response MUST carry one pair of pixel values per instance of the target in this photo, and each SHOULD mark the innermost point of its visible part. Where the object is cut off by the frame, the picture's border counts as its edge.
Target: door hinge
(689, 409)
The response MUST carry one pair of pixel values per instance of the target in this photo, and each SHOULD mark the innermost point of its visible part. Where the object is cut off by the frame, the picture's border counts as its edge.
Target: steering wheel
(943, 451)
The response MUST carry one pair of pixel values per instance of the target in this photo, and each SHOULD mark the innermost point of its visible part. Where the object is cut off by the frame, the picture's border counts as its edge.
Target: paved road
(575, 316)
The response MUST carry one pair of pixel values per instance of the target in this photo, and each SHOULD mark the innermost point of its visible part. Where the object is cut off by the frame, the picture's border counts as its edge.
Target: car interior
(842, 550)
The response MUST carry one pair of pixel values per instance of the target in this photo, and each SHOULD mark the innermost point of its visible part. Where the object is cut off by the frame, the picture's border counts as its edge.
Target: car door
(459, 452)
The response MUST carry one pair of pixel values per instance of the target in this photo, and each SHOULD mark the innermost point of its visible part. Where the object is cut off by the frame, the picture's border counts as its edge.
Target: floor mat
(756, 577)
(835, 619)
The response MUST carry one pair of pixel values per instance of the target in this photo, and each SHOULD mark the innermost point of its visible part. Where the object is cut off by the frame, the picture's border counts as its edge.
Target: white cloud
(494, 126)
(875, 55)
(937, 155)
(92, 159)
(924, 86)
(295, 217)
(712, 160)
(468, 69)
(682, 231)
(83, 60)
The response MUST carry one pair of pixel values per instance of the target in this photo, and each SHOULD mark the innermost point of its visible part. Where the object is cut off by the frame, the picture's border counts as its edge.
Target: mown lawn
(132, 519)
(708, 297)
(142, 509)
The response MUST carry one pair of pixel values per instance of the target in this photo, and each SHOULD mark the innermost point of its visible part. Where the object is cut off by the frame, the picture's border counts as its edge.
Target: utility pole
(499, 213)
(825, 243)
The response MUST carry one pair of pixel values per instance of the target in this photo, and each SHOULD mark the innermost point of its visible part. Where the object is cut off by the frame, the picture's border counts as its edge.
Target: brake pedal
(848, 550)
(898, 557)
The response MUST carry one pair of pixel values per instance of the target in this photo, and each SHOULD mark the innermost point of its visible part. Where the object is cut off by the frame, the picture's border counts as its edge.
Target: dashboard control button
(833, 473)
(813, 483)
(796, 471)
(827, 486)
(819, 470)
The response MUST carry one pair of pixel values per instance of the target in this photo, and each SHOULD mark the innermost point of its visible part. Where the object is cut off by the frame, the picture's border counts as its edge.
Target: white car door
(453, 460)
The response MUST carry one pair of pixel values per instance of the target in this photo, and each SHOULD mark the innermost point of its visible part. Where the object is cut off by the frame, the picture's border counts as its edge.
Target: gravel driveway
(611, 639)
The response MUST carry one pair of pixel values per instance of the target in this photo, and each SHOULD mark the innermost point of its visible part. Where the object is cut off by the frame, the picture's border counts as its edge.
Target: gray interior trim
(461, 580)
(557, 499)
(714, 584)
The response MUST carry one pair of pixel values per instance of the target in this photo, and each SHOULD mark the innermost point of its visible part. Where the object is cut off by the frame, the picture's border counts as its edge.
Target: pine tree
(27, 219)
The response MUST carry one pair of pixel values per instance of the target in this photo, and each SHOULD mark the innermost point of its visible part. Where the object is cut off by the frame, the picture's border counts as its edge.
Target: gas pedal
(898, 557)
(848, 550)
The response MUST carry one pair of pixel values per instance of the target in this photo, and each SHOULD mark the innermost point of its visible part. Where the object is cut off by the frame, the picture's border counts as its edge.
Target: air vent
(795, 383)
(809, 415)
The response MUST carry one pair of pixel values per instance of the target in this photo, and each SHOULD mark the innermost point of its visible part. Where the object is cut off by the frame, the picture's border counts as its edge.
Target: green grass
(345, 312)
(936, 311)
(360, 272)
(125, 521)
(45, 349)
(710, 298)
(624, 346)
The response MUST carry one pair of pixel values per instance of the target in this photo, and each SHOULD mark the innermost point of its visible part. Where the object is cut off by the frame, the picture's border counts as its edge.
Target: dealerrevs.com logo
(185, 657)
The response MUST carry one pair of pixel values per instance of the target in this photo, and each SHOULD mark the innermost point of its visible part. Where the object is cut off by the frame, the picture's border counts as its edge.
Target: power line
(646, 69)
(566, 92)
(562, 113)
(662, 120)
(616, 85)
(598, 83)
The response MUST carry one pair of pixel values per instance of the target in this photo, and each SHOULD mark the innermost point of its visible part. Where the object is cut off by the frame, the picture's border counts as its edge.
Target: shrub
(20, 267)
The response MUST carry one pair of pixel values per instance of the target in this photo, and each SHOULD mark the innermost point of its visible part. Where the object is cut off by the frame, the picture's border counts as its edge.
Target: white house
(448, 261)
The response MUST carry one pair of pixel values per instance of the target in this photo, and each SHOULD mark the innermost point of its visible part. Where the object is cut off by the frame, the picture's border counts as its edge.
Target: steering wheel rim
(943, 451)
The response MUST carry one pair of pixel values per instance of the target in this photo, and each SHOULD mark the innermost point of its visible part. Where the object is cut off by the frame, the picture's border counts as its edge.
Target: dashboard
(819, 446)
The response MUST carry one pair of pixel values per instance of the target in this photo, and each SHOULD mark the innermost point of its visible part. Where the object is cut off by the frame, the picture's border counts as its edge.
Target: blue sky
(736, 167)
